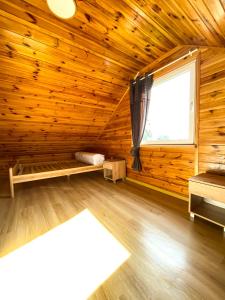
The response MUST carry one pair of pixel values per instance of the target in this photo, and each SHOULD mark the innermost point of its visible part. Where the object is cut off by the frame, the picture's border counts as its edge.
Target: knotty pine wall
(169, 167)
(212, 110)
(165, 167)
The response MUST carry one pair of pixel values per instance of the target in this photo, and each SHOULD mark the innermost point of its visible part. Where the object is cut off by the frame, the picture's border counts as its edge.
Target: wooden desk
(207, 197)
(114, 169)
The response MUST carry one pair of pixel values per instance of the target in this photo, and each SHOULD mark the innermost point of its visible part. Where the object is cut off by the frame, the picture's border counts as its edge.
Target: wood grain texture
(39, 171)
(61, 80)
(207, 197)
(212, 111)
(171, 257)
(114, 170)
(169, 167)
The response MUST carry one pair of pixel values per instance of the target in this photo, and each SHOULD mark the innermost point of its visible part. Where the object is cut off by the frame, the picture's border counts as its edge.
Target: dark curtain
(140, 91)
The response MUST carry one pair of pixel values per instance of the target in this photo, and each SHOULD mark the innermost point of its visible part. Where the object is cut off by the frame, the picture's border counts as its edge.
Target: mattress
(95, 159)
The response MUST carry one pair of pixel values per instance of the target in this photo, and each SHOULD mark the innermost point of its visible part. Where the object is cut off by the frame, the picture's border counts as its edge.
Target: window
(170, 118)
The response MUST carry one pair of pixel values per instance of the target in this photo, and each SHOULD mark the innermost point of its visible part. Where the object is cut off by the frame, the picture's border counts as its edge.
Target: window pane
(171, 109)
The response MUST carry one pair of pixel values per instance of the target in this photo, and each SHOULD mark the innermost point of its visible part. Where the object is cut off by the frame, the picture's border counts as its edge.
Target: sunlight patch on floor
(166, 251)
(69, 262)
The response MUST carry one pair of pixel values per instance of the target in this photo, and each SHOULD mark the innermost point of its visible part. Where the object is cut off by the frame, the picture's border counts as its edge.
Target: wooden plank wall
(165, 167)
(169, 167)
(61, 80)
(212, 110)
(9, 161)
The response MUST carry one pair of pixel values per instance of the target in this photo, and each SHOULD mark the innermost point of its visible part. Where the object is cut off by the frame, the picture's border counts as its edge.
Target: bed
(36, 171)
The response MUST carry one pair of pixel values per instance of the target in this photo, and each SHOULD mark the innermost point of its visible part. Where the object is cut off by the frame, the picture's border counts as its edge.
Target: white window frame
(191, 141)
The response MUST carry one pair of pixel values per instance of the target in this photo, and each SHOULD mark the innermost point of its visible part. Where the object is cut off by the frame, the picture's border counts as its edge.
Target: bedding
(95, 159)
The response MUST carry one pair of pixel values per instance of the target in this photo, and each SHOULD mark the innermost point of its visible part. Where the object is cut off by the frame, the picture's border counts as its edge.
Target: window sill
(168, 145)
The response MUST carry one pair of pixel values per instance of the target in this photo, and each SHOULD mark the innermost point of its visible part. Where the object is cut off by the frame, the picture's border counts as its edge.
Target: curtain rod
(171, 63)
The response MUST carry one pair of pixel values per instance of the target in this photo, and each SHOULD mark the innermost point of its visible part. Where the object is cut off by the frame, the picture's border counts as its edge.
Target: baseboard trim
(158, 189)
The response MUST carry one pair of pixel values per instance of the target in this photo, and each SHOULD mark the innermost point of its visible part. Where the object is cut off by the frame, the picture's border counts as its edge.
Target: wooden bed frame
(37, 171)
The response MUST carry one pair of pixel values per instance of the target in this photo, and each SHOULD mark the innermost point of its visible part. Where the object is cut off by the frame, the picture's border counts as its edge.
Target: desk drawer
(107, 165)
(207, 191)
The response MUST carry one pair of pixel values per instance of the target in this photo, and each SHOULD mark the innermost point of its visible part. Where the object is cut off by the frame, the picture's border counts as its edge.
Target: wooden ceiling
(61, 81)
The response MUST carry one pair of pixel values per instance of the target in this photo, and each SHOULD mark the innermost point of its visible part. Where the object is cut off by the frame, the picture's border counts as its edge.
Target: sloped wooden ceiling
(61, 80)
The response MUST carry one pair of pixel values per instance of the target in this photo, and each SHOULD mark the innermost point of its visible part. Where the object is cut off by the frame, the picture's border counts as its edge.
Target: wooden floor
(171, 257)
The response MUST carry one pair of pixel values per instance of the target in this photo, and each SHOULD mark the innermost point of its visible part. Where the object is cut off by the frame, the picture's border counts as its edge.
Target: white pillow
(95, 159)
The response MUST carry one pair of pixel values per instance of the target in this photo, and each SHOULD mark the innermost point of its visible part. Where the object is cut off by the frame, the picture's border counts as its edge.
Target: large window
(170, 117)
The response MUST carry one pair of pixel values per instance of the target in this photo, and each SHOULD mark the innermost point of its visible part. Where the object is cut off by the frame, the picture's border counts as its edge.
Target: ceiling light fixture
(64, 9)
